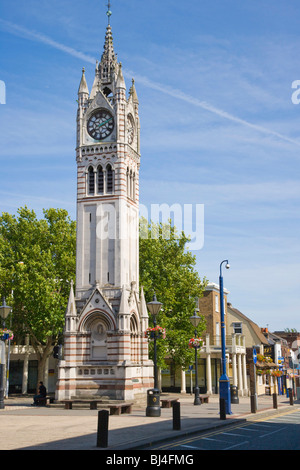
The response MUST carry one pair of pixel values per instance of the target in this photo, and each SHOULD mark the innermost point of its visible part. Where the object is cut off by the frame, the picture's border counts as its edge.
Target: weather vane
(108, 11)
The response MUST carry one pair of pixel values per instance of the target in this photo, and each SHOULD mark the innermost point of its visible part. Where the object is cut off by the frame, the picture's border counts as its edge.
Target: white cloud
(28, 34)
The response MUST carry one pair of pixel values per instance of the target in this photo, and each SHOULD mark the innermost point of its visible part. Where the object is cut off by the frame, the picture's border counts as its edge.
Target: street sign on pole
(254, 356)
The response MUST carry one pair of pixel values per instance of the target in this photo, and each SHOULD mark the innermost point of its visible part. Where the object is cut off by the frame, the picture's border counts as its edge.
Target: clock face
(101, 124)
(130, 129)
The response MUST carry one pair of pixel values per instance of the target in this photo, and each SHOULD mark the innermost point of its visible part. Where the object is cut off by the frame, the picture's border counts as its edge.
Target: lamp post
(224, 388)
(4, 312)
(153, 399)
(195, 319)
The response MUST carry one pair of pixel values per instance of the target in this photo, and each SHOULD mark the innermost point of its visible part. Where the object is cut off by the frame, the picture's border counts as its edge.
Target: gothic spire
(109, 58)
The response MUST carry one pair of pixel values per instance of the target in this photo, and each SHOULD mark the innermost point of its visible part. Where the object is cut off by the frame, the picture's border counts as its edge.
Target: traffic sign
(254, 356)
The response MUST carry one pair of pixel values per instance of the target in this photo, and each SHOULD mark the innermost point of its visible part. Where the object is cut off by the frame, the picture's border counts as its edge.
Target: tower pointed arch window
(109, 179)
(91, 181)
(130, 189)
(131, 184)
(128, 182)
(100, 180)
(134, 339)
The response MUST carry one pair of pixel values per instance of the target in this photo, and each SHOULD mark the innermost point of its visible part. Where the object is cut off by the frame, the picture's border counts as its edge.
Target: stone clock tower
(105, 353)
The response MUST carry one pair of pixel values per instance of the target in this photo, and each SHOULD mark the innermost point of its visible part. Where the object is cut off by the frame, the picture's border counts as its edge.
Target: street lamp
(224, 380)
(4, 312)
(153, 399)
(195, 319)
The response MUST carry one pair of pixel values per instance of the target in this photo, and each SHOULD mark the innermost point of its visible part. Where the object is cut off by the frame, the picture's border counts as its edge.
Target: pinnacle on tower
(83, 88)
(120, 78)
(133, 93)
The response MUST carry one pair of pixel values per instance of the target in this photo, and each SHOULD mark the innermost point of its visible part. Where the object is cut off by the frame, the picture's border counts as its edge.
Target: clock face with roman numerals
(101, 124)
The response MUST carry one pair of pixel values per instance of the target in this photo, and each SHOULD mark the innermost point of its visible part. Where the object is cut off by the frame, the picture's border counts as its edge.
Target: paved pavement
(25, 427)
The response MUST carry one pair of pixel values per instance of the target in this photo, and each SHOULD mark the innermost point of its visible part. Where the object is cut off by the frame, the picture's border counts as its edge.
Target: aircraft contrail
(175, 93)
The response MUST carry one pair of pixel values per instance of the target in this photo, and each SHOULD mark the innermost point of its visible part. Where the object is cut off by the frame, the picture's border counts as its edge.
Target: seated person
(42, 394)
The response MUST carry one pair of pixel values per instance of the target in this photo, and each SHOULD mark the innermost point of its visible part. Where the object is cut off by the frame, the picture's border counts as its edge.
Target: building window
(133, 187)
(100, 180)
(131, 183)
(216, 303)
(217, 334)
(128, 182)
(237, 328)
(109, 179)
(91, 181)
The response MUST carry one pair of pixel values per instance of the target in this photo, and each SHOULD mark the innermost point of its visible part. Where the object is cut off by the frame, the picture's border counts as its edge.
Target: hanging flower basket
(268, 360)
(195, 343)
(6, 334)
(277, 373)
(156, 332)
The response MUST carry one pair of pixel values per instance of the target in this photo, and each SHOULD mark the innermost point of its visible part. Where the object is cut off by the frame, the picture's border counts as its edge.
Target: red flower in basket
(156, 332)
(195, 343)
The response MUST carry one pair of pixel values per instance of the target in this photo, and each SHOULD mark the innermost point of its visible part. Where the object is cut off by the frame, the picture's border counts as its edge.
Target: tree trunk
(43, 351)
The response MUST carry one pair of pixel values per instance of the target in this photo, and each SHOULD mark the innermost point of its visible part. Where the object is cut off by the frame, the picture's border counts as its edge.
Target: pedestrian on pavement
(42, 394)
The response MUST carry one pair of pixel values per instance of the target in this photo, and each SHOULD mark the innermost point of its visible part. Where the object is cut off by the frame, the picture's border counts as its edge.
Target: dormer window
(237, 328)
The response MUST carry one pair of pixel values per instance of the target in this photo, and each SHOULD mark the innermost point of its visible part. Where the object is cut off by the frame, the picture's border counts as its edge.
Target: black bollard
(253, 403)
(102, 431)
(222, 408)
(176, 416)
(234, 394)
(291, 396)
(275, 400)
(2, 391)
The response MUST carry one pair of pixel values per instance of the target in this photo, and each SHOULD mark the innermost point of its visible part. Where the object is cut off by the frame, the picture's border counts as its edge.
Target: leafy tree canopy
(167, 269)
(37, 261)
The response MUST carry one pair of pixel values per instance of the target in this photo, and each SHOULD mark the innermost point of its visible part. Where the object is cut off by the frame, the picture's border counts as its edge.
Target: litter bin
(234, 394)
(153, 402)
(298, 393)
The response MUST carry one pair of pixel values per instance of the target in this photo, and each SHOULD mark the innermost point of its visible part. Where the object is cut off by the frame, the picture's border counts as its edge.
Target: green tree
(167, 269)
(37, 260)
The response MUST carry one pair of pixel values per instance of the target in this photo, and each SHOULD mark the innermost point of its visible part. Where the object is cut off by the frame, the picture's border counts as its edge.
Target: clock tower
(105, 352)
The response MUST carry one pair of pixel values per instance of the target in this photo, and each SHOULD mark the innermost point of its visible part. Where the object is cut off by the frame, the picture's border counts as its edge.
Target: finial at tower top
(108, 11)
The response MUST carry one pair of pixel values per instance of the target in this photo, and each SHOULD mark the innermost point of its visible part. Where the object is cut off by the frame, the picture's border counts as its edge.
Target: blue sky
(214, 81)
